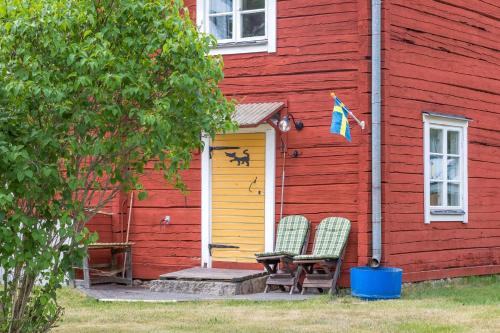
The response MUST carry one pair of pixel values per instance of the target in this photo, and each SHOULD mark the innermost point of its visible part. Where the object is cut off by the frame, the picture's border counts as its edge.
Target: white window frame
(238, 45)
(446, 213)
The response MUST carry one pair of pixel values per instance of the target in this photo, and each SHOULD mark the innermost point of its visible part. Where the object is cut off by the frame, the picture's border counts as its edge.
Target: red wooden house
(439, 142)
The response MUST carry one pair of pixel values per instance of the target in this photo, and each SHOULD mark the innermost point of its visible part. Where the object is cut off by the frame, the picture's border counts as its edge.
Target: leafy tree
(90, 91)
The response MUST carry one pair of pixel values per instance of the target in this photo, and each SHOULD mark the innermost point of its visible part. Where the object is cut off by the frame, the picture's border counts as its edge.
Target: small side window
(445, 168)
(240, 26)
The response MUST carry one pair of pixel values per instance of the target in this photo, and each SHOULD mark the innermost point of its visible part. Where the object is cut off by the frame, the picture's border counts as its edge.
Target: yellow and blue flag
(340, 124)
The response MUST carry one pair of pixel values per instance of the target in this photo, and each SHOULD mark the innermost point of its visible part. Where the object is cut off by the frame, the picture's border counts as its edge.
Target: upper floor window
(445, 168)
(240, 26)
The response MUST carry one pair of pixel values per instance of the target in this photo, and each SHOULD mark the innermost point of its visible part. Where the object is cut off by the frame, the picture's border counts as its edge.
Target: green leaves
(142, 195)
(86, 33)
(90, 92)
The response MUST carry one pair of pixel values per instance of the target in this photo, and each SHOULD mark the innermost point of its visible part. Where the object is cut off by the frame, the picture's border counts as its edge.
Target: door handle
(251, 184)
(220, 246)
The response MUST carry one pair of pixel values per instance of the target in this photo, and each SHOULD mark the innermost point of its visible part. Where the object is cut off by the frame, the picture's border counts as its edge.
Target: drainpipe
(376, 141)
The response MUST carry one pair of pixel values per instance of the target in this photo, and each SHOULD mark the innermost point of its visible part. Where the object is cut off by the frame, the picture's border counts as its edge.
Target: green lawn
(463, 305)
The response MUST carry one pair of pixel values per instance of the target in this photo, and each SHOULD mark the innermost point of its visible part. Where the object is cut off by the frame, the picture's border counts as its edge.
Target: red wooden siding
(102, 224)
(160, 248)
(441, 56)
(319, 50)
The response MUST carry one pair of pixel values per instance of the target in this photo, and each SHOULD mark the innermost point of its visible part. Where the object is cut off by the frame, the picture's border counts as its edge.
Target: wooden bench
(109, 273)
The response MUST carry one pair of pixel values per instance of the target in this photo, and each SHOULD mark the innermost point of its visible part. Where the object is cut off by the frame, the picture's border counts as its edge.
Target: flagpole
(360, 123)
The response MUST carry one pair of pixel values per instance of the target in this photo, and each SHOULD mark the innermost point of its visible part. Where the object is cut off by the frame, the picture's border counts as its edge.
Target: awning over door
(254, 114)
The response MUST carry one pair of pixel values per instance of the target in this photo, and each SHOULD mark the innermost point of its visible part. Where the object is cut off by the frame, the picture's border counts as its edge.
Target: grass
(462, 305)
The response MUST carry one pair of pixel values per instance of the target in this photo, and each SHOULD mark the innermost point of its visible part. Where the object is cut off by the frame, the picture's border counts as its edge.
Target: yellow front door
(238, 184)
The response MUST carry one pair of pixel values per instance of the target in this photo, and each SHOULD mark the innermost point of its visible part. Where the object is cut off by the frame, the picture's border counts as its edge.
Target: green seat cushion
(313, 257)
(291, 235)
(274, 254)
(331, 237)
(290, 238)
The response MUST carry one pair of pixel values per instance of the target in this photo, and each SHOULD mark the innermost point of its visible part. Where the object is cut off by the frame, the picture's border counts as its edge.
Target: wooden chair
(322, 267)
(291, 240)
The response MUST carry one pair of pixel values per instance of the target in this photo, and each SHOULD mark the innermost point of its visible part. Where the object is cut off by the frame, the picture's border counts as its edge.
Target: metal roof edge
(446, 115)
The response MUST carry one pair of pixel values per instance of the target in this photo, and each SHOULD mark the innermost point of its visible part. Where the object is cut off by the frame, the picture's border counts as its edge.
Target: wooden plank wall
(158, 248)
(102, 224)
(323, 45)
(438, 56)
(238, 214)
(161, 248)
(319, 50)
(441, 56)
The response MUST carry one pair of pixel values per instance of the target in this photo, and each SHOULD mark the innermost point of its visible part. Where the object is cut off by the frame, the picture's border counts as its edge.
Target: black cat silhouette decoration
(243, 160)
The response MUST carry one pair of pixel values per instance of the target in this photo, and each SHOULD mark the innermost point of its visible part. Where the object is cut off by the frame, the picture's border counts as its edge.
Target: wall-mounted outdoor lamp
(284, 124)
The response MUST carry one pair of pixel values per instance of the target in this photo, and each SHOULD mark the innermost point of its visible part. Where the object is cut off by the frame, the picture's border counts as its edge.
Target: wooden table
(113, 273)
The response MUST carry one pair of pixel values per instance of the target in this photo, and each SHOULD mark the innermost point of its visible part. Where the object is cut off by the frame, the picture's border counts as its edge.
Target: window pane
(453, 142)
(436, 167)
(221, 6)
(453, 194)
(453, 168)
(222, 26)
(436, 194)
(436, 141)
(253, 4)
(253, 25)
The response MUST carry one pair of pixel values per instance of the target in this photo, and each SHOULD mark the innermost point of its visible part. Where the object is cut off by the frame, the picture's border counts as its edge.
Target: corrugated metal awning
(254, 114)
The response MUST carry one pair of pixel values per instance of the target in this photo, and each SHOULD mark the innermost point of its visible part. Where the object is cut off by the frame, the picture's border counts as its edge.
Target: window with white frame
(240, 26)
(445, 167)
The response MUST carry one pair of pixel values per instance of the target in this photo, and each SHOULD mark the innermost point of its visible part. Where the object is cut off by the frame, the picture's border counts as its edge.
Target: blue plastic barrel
(376, 283)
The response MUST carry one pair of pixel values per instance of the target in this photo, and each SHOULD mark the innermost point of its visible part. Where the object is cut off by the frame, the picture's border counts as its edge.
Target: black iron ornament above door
(212, 148)
(241, 160)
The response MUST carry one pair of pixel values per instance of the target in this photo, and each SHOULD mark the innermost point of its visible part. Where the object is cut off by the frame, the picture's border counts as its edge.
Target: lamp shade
(284, 124)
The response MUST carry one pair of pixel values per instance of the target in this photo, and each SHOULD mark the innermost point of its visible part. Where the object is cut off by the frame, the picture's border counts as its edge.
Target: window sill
(447, 215)
(242, 47)
(447, 212)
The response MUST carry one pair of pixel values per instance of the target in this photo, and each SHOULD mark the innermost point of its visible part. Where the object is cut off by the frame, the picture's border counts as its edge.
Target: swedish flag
(340, 124)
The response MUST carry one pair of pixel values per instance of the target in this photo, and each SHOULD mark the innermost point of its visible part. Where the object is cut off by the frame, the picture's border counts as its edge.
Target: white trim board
(269, 192)
(206, 201)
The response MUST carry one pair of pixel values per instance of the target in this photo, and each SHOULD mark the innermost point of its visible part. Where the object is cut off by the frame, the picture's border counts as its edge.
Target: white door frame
(269, 192)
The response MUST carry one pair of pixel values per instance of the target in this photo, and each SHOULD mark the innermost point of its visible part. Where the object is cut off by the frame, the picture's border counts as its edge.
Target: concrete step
(211, 281)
